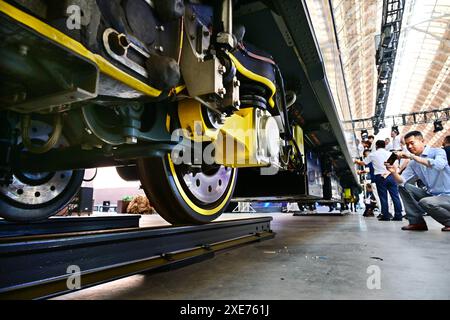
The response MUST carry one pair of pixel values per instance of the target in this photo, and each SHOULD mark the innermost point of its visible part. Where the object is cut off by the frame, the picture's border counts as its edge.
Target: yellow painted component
(168, 123)
(347, 193)
(256, 77)
(181, 38)
(236, 146)
(179, 89)
(235, 142)
(193, 206)
(57, 36)
(191, 119)
(298, 136)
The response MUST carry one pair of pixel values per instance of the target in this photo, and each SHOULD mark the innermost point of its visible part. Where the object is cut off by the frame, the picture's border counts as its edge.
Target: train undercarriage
(202, 101)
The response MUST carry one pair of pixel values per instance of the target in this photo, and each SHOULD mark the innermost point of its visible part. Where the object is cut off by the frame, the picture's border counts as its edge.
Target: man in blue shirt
(431, 167)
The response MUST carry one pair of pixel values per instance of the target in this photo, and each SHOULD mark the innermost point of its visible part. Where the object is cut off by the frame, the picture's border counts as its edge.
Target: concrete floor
(310, 258)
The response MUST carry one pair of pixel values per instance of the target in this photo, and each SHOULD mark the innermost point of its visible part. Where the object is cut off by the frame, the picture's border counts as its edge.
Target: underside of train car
(202, 101)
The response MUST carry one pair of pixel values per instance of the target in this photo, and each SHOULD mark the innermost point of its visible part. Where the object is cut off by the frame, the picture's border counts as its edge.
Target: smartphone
(392, 159)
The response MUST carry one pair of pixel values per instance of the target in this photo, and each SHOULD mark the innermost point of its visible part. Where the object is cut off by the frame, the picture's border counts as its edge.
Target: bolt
(206, 246)
(23, 50)
(160, 28)
(221, 69)
(89, 132)
(222, 91)
(131, 140)
(193, 16)
(159, 48)
(236, 104)
(206, 33)
(236, 83)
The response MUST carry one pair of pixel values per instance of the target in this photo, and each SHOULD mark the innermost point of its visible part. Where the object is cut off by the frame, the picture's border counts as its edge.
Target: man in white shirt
(360, 147)
(384, 181)
(396, 141)
(388, 144)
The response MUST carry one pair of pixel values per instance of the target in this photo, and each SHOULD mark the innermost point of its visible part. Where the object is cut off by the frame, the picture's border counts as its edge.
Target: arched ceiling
(346, 29)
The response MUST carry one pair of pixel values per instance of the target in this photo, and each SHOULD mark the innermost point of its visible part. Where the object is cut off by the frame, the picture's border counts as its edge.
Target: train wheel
(36, 196)
(182, 194)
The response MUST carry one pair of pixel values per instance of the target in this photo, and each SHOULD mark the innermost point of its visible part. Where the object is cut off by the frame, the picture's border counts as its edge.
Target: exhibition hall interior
(236, 150)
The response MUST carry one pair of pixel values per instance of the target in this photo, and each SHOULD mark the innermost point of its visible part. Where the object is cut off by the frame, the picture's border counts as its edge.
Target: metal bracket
(201, 77)
(117, 46)
(244, 207)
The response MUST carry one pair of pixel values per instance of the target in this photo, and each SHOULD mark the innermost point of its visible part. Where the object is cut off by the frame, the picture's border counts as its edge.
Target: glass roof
(421, 79)
(345, 32)
(322, 20)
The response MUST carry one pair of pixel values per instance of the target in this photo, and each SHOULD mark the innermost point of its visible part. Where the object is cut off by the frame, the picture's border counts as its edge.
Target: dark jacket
(447, 151)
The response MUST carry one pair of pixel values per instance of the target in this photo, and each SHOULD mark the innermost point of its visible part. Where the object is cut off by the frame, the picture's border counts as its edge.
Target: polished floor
(311, 257)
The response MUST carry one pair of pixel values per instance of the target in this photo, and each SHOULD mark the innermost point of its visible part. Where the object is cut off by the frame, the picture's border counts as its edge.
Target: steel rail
(37, 266)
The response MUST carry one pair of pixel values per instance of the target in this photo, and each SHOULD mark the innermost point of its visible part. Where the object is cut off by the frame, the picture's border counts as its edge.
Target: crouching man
(431, 167)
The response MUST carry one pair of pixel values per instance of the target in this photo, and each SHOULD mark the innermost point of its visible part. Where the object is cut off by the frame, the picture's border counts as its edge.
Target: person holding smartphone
(430, 165)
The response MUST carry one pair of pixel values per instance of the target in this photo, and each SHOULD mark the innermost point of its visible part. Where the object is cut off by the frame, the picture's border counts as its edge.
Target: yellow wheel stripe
(57, 36)
(193, 206)
(256, 77)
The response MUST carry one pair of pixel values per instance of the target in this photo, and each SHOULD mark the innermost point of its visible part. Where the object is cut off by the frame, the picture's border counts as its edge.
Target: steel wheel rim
(207, 188)
(22, 190)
